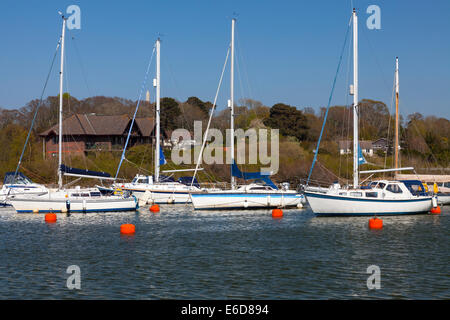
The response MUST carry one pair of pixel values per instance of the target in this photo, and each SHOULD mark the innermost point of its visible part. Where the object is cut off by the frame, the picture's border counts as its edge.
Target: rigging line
(428, 147)
(240, 57)
(66, 79)
(175, 83)
(81, 63)
(244, 65)
(372, 51)
(135, 112)
(347, 81)
(240, 79)
(36, 111)
(389, 124)
(210, 117)
(329, 102)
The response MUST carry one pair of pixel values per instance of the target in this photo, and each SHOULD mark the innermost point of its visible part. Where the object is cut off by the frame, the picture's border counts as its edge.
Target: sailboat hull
(234, 200)
(25, 205)
(443, 198)
(334, 205)
(161, 197)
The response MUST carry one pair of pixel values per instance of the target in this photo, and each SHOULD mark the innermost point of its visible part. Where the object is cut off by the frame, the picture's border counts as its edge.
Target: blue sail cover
(188, 180)
(163, 178)
(236, 172)
(162, 159)
(66, 169)
(361, 159)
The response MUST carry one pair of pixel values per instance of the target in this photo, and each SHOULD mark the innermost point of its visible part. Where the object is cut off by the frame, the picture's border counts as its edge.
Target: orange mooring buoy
(277, 213)
(435, 210)
(50, 217)
(375, 223)
(154, 208)
(127, 228)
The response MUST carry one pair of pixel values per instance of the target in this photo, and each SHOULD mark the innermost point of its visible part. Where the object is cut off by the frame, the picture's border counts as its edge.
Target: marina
(227, 159)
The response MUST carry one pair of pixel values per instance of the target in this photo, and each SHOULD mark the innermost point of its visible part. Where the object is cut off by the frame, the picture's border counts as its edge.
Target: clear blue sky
(288, 50)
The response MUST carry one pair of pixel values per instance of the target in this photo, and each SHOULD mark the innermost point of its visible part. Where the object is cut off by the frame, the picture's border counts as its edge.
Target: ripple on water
(180, 253)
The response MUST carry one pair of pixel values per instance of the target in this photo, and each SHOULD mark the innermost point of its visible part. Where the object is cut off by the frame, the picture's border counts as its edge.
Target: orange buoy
(154, 208)
(127, 228)
(435, 210)
(277, 213)
(375, 223)
(50, 217)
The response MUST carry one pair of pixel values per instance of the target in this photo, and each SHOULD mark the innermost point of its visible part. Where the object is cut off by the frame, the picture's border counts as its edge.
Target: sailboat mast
(396, 144)
(61, 75)
(158, 98)
(355, 100)
(233, 21)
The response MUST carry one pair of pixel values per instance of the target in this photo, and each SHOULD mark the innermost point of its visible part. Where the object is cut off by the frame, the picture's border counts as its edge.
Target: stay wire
(36, 111)
(329, 102)
(135, 112)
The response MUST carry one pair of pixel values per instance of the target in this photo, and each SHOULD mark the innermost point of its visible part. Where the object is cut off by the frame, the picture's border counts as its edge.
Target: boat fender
(434, 202)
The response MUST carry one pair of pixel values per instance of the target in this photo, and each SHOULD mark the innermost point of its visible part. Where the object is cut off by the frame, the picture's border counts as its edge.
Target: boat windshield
(140, 180)
(415, 187)
(20, 178)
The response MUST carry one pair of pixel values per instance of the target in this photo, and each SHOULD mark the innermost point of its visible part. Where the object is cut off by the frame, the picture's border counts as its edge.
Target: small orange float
(277, 213)
(127, 228)
(435, 210)
(50, 217)
(154, 208)
(375, 223)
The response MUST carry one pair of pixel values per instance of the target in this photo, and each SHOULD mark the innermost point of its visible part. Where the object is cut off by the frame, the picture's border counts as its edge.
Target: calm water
(182, 254)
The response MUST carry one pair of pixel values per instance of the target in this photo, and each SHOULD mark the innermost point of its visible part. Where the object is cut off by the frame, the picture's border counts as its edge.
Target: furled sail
(236, 172)
(82, 172)
(361, 159)
(162, 159)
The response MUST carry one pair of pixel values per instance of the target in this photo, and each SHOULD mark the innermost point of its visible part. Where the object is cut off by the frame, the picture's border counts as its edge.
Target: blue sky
(287, 51)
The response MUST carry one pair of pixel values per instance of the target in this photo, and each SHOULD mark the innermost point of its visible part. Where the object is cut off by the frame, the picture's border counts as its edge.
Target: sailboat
(74, 199)
(381, 197)
(17, 184)
(158, 188)
(261, 193)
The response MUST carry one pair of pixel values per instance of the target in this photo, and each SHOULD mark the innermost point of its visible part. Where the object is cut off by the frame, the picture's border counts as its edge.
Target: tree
(204, 106)
(290, 121)
(169, 113)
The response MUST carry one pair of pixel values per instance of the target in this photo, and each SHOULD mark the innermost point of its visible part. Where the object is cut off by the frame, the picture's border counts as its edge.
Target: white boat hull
(335, 205)
(443, 198)
(160, 197)
(234, 200)
(30, 205)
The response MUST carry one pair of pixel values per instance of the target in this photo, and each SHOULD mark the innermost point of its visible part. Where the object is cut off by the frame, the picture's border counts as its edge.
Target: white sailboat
(380, 197)
(74, 199)
(17, 184)
(261, 194)
(157, 188)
